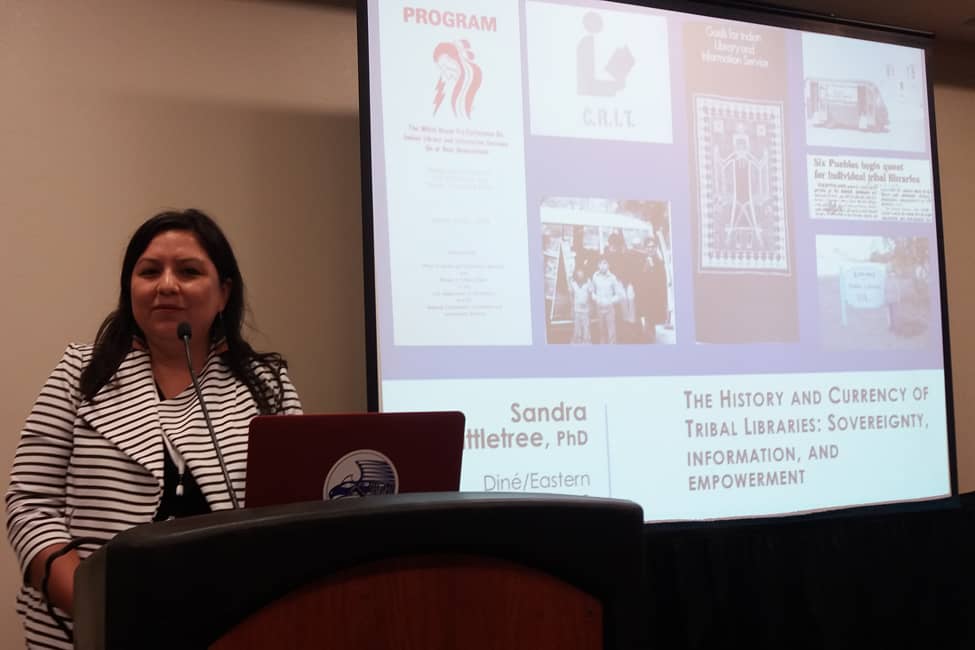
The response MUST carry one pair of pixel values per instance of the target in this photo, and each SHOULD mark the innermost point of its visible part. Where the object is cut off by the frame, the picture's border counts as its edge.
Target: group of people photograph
(608, 275)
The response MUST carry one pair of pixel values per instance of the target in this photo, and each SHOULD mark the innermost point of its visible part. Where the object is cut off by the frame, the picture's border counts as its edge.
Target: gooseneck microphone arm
(185, 332)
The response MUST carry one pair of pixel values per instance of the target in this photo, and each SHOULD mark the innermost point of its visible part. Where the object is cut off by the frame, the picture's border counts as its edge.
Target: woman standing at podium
(118, 436)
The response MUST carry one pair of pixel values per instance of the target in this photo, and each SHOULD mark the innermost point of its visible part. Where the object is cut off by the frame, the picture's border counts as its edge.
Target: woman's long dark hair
(116, 333)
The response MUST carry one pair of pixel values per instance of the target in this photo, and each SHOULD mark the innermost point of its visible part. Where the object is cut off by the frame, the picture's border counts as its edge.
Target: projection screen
(682, 259)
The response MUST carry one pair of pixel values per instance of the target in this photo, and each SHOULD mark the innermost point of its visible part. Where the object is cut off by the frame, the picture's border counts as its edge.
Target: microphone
(185, 333)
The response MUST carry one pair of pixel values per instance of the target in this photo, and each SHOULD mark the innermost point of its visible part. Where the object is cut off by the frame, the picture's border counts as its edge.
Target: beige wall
(111, 110)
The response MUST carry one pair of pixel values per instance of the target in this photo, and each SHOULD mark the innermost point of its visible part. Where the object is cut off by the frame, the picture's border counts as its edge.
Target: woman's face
(449, 68)
(174, 280)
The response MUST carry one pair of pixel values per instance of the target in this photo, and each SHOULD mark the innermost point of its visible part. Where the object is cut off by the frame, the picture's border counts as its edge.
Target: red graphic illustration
(458, 74)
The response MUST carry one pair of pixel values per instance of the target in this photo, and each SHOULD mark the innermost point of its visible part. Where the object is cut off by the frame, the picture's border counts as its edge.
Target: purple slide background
(653, 172)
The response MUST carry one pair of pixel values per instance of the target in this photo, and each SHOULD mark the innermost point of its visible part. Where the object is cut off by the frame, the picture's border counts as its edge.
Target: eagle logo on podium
(361, 473)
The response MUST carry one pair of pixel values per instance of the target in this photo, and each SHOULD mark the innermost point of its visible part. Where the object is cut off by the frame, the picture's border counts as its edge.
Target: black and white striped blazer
(95, 468)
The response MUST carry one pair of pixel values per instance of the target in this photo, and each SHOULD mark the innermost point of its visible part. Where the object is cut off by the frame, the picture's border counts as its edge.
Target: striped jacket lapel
(125, 412)
(219, 390)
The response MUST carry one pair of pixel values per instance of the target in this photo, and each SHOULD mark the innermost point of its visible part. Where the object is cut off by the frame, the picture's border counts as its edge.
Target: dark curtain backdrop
(892, 580)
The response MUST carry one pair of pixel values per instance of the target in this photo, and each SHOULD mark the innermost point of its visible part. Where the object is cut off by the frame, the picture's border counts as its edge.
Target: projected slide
(666, 257)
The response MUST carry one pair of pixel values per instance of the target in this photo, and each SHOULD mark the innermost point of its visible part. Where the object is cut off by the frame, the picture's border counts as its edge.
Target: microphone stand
(185, 332)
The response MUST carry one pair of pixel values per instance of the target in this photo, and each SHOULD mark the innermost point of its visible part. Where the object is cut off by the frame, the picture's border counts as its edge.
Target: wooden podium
(431, 571)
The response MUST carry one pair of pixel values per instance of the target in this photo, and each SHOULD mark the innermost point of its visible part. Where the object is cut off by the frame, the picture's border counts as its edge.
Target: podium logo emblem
(361, 473)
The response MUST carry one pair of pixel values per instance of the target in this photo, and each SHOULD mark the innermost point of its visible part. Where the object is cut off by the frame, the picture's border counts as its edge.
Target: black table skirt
(903, 579)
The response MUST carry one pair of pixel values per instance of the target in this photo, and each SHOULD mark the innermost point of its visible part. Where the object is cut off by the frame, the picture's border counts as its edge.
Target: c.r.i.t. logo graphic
(459, 76)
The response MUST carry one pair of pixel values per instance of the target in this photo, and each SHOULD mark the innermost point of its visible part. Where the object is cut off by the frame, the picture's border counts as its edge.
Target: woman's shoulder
(64, 379)
(77, 355)
(263, 365)
(84, 352)
(267, 364)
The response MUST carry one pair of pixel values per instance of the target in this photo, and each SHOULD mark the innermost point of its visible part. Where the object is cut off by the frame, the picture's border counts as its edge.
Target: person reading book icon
(590, 81)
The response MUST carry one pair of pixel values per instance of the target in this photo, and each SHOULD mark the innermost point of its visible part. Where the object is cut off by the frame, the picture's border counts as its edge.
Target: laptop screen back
(295, 458)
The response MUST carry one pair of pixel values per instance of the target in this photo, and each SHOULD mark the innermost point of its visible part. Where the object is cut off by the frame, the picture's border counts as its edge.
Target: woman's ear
(225, 292)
